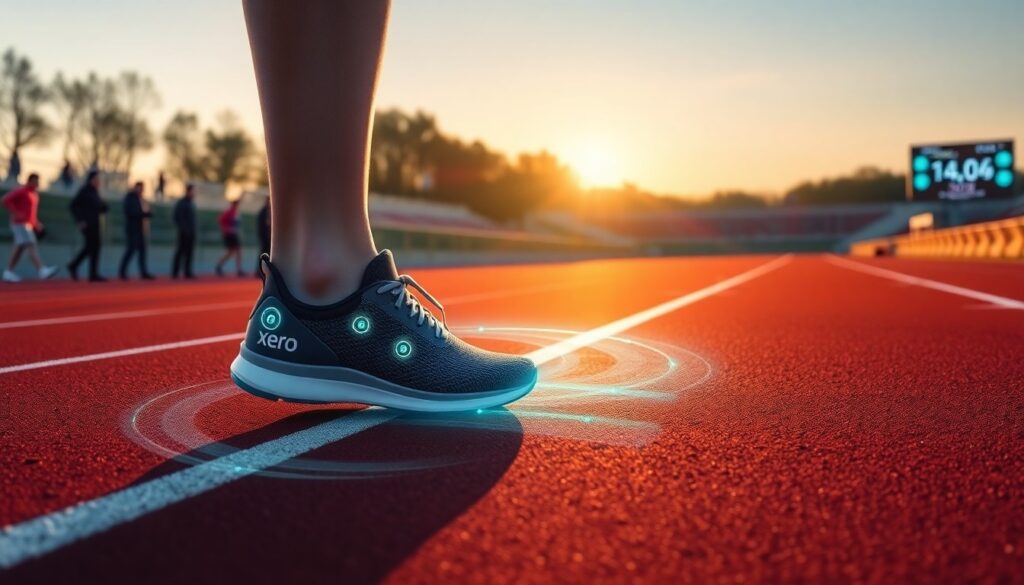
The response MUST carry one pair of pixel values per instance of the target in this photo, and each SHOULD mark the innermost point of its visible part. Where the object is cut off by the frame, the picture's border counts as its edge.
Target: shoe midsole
(337, 384)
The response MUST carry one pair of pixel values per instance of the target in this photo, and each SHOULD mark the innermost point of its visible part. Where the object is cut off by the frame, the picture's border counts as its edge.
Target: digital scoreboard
(960, 172)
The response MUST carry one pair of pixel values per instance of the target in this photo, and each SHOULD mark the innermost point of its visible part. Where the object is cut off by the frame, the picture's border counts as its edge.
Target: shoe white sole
(351, 386)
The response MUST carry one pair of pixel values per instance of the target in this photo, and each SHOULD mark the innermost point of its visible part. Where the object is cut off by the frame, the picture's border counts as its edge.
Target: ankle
(321, 279)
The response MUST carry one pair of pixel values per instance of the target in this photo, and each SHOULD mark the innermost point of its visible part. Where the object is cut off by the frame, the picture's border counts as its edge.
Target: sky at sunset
(678, 96)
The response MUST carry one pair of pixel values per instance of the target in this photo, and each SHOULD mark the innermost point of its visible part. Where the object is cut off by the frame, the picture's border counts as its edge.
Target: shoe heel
(248, 388)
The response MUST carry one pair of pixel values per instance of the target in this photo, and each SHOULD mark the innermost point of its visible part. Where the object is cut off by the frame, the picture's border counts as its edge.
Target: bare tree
(137, 96)
(92, 140)
(230, 151)
(71, 98)
(22, 98)
(112, 128)
(403, 148)
(183, 142)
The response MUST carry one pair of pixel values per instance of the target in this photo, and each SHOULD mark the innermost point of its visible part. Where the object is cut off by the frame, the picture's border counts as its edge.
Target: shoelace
(400, 289)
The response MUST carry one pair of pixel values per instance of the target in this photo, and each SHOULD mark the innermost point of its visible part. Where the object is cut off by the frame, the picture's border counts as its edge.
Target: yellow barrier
(1001, 239)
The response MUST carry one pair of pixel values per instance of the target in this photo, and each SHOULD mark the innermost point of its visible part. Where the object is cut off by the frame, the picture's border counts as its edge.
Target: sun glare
(595, 164)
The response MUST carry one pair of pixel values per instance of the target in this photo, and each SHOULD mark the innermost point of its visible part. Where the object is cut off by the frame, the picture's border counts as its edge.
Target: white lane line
(556, 350)
(124, 315)
(1002, 302)
(44, 534)
(523, 291)
(121, 353)
(470, 298)
(541, 356)
(235, 336)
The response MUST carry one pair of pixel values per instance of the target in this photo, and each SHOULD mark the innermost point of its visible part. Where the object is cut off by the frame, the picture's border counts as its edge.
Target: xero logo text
(274, 341)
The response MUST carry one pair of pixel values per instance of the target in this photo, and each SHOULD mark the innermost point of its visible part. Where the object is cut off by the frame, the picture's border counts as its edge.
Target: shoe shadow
(348, 512)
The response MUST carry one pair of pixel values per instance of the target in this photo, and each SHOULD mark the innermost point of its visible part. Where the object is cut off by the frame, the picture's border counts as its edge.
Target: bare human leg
(15, 256)
(224, 258)
(316, 67)
(33, 256)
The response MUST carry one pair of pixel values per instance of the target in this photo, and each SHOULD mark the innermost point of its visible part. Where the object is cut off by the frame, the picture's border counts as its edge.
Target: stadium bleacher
(399, 212)
(772, 223)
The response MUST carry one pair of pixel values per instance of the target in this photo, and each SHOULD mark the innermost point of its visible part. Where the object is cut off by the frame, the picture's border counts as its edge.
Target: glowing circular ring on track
(614, 369)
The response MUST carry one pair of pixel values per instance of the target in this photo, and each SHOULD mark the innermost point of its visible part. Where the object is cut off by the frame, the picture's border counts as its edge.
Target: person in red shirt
(22, 204)
(229, 223)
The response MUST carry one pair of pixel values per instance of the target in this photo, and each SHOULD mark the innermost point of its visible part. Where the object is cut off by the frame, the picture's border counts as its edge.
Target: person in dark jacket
(136, 212)
(185, 222)
(161, 185)
(14, 168)
(67, 175)
(88, 208)
(263, 231)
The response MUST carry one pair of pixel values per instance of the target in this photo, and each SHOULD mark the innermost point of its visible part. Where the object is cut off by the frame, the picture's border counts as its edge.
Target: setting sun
(596, 164)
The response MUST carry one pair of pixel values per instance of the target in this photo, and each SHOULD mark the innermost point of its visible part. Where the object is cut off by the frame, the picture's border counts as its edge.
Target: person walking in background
(161, 184)
(136, 212)
(229, 223)
(67, 175)
(263, 231)
(14, 168)
(88, 208)
(23, 205)
(185, 223)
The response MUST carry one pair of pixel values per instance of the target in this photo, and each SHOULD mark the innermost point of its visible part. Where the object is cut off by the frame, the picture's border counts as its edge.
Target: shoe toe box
(485, 371)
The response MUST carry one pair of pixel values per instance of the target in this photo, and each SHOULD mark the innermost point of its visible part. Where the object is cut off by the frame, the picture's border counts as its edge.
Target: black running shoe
(377, 346)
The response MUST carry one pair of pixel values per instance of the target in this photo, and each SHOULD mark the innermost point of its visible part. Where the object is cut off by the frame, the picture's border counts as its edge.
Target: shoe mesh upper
(447, 366)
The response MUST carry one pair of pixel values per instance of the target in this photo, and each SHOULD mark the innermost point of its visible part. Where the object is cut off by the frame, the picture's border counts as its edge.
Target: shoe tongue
(380, 268)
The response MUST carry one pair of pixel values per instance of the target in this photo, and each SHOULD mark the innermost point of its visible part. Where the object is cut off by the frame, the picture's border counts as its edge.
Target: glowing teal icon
(920, 163)
(1004, 159)
(922, 181)
(361, 325)
(270, 318)
(403, 349)
(1004, 178)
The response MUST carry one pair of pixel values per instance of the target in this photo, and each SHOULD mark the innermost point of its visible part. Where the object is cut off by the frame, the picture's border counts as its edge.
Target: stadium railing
(999, 239)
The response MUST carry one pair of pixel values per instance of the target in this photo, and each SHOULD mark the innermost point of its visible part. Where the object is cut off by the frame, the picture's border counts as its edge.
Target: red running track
(823, 424)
